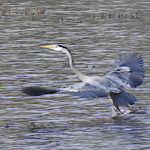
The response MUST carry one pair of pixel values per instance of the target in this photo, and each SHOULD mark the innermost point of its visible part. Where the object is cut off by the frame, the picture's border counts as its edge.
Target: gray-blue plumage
(86, 91)
(123, 98)
(128, 72)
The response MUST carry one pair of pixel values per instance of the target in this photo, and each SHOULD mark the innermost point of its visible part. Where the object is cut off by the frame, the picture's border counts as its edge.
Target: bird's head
(55, 47)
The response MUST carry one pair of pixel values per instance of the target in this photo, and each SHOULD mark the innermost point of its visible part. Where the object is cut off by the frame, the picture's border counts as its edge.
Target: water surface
(96, 32)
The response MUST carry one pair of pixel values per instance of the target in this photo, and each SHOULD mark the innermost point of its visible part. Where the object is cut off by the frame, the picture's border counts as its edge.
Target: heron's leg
(118, 109)
(130, 109)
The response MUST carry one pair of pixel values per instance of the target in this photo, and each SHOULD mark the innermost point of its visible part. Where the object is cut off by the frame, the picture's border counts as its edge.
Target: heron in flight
(127, 73)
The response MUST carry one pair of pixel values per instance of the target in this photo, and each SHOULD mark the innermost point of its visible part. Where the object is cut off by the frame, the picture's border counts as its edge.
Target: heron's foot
(130, 109)
(116, 112)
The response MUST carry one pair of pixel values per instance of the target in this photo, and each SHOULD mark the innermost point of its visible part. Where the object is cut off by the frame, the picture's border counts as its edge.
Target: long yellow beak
(48, 46)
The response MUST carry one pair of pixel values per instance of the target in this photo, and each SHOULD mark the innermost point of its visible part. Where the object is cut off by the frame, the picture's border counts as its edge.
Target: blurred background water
(96, 32)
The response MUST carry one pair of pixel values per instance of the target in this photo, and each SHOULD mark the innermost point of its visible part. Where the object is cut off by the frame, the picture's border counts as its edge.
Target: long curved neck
(74, 69)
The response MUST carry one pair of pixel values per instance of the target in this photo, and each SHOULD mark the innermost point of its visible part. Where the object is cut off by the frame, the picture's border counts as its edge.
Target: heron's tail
(37, 91)
(122, 99)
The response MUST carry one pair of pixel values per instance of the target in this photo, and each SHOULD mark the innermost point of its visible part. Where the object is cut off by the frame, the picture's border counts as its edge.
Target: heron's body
(128, 72)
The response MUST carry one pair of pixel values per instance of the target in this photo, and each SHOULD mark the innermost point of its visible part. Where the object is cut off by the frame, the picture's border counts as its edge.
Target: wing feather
(85, 90)
(129, 71)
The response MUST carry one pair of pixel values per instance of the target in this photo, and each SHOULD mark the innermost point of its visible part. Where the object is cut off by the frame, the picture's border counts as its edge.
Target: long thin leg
(130, 109)
(116, 107)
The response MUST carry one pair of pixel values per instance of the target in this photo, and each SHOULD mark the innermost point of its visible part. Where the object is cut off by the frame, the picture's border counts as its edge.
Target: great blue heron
(128, 72)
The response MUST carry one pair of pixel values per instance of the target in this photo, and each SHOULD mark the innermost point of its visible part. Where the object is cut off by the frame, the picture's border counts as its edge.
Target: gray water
(96, 32)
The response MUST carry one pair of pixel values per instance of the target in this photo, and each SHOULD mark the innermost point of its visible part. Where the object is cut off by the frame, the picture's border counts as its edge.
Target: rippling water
(96, 32)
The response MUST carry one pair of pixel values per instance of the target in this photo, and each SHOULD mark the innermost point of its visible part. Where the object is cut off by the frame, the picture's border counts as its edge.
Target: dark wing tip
(37, 91)
(124, 59)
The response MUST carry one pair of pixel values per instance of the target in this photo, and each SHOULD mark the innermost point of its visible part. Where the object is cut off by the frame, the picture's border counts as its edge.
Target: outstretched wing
(129, 71)
(85, 90)
(100, 87)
